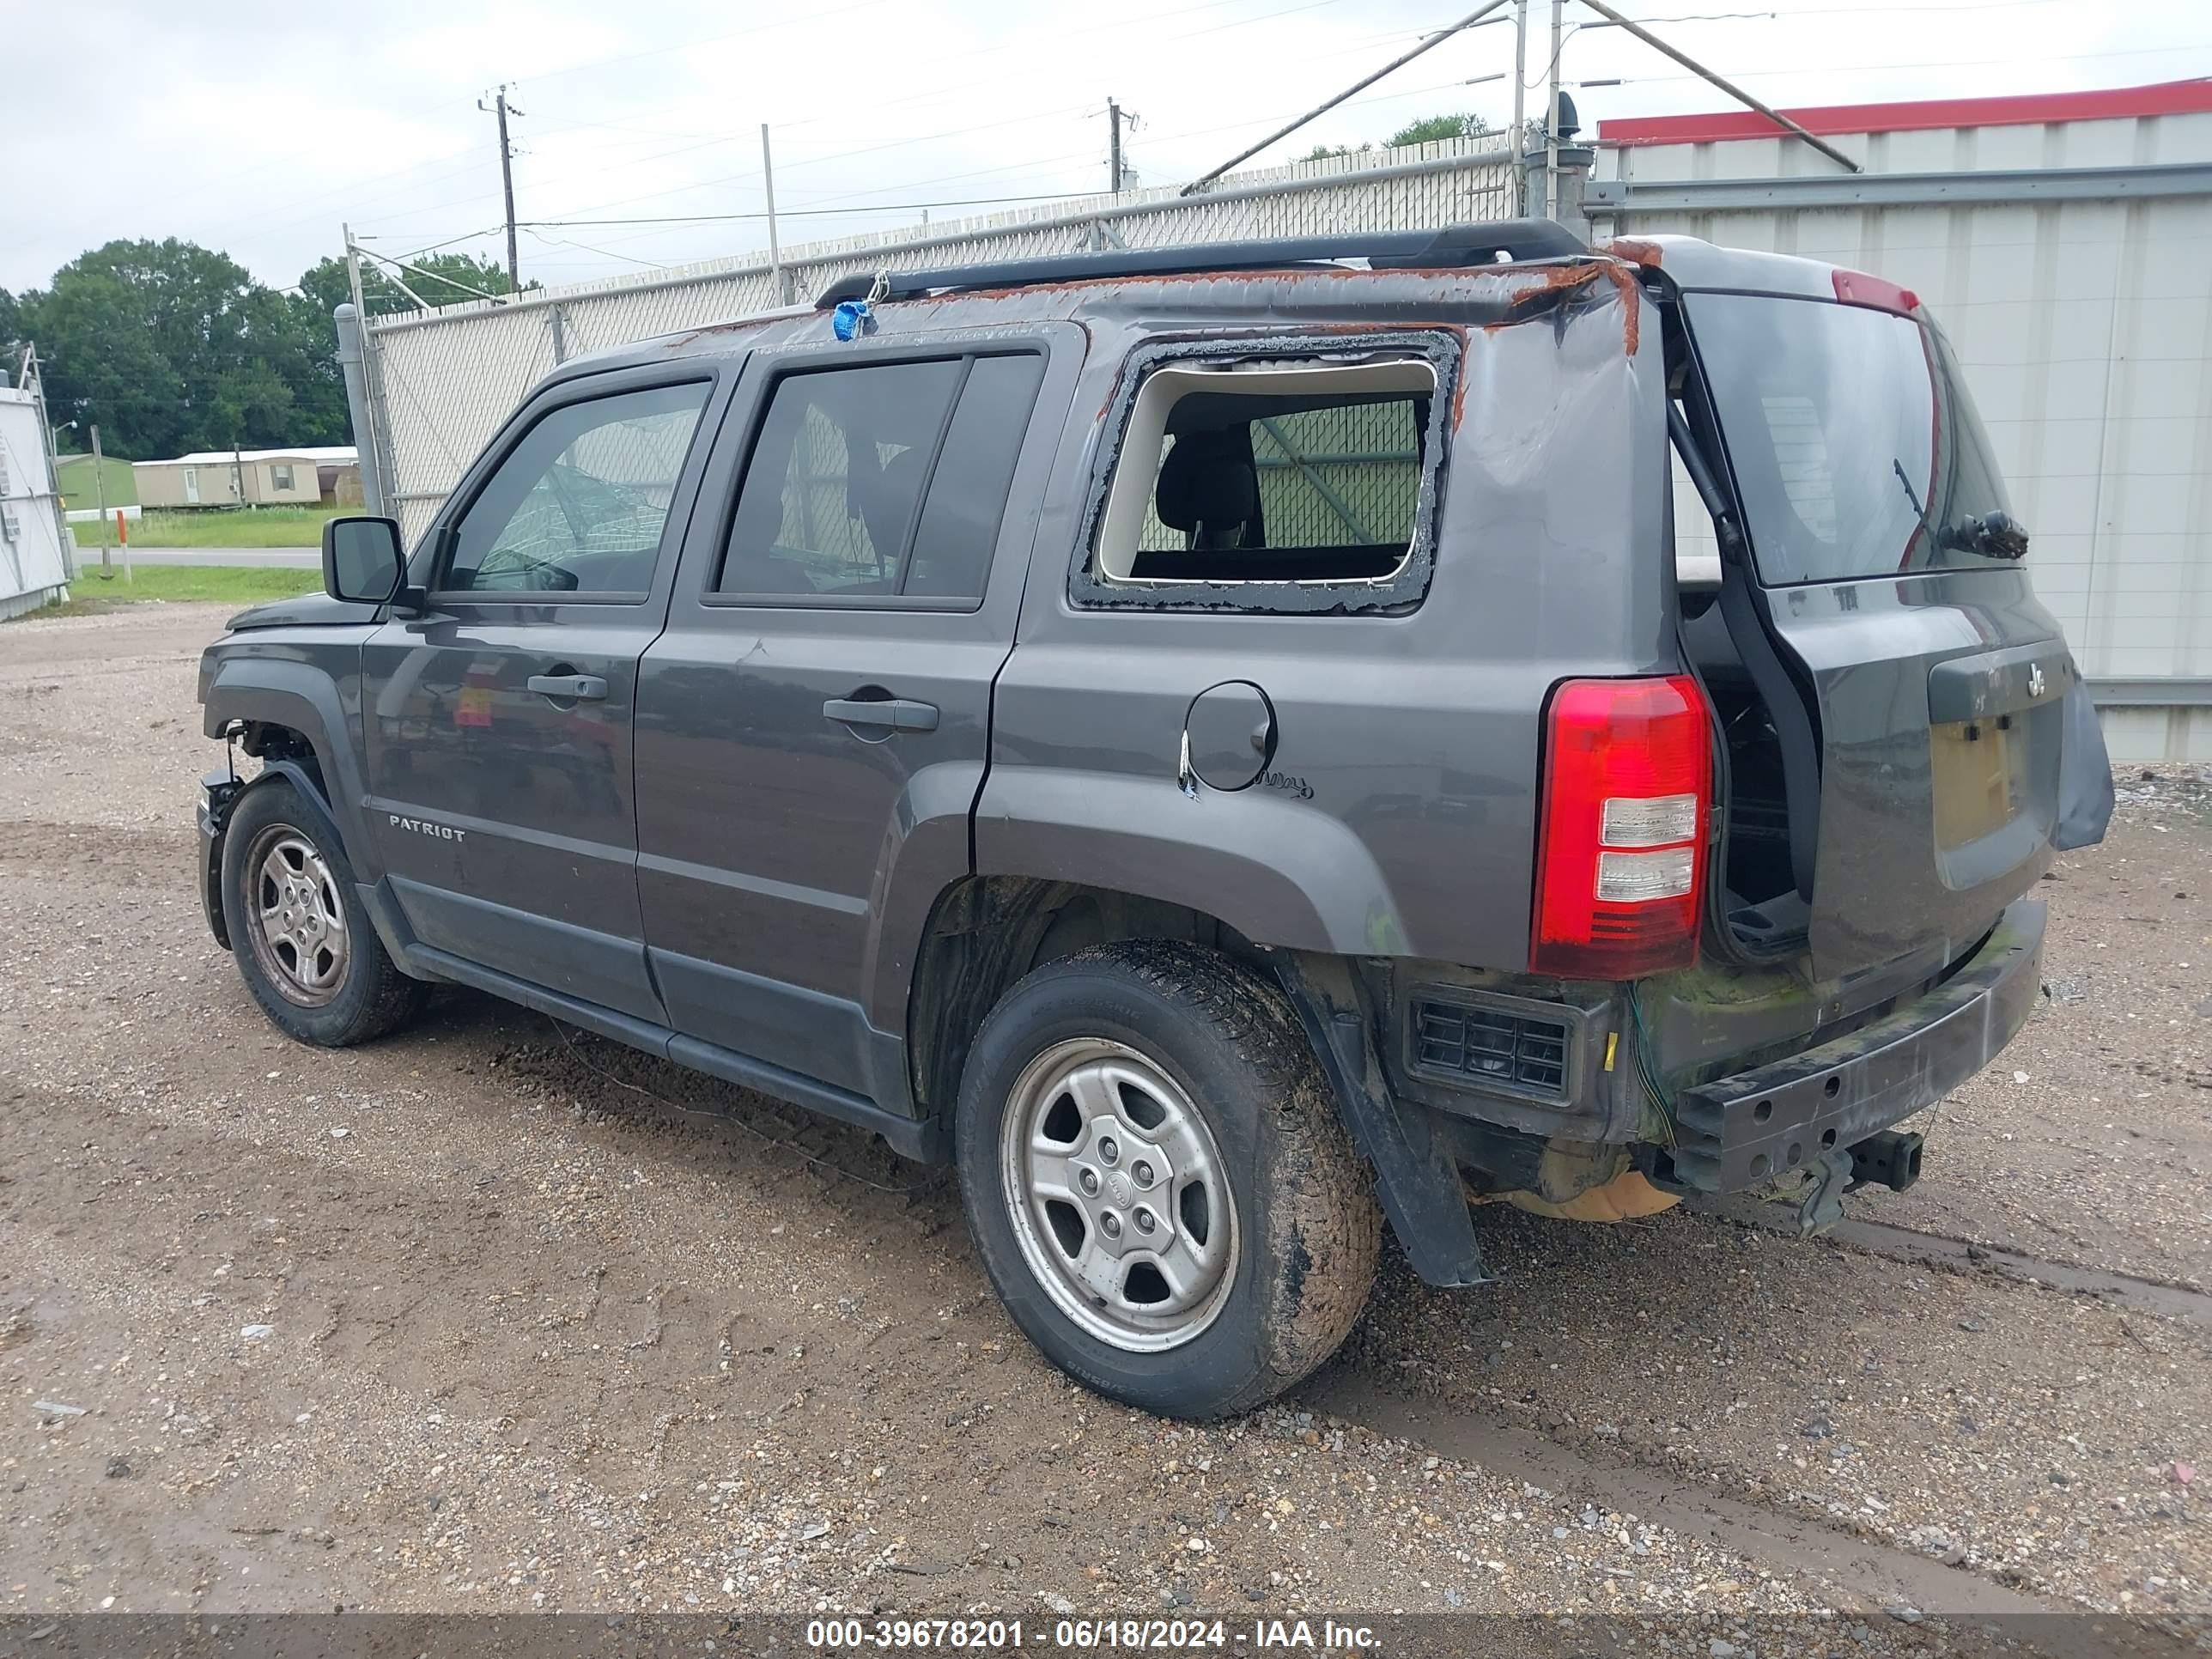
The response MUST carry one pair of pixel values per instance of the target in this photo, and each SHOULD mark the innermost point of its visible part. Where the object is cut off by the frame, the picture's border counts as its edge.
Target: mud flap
(1419, 1185)
(219, 794)
(2085, 775)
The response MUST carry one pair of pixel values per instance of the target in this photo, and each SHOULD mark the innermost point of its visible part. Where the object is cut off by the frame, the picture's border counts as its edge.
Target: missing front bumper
(1741, 1131)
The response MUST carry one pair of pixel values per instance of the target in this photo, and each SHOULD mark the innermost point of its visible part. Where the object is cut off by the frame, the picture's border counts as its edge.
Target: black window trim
(1402, 591)
(438, 545)
(966, 355)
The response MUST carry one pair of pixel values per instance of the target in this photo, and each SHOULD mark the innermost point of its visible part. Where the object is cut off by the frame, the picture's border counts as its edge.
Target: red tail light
(1621, 866)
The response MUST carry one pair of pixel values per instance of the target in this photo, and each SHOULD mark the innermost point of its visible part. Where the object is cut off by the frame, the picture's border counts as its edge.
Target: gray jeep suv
(1226, 744)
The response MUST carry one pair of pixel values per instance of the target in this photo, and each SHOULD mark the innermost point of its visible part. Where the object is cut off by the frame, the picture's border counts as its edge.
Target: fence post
(1575, 164)
(357, 408)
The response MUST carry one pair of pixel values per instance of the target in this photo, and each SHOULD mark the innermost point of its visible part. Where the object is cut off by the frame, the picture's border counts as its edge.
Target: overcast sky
(256, 126)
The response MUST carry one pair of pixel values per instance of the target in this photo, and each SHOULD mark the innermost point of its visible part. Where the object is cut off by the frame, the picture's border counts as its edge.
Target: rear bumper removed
(1737, 1131)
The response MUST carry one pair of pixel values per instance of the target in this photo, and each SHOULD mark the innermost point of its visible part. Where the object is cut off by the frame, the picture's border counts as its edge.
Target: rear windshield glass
(1854, 443)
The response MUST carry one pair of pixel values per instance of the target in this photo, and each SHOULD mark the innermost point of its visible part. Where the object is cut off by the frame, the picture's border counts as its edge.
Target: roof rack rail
(1506, 239)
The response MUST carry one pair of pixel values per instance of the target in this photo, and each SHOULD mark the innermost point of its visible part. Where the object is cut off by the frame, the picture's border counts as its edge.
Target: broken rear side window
(1280, 482)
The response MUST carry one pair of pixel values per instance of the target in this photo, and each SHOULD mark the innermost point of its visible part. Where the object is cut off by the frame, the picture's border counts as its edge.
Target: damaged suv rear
(1226, 744)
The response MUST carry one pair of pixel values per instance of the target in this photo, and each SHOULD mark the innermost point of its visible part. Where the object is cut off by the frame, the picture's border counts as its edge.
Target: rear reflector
(1627, 798)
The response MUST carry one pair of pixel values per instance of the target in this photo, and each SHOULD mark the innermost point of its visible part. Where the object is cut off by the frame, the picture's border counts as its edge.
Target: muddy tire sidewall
(374, 997)
(1309, 1230)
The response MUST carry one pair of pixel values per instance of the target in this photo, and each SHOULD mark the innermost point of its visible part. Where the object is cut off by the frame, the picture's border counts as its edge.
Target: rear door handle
(895, 713)
(568, 688)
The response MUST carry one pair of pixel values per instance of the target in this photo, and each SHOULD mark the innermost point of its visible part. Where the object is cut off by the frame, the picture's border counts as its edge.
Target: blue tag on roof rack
(851, 319)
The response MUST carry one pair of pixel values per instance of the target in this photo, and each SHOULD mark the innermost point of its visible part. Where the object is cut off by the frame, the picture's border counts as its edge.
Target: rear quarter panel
(1397, 817)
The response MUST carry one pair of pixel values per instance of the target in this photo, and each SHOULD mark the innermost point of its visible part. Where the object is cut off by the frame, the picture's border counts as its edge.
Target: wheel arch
(985, 933)
(289, 714)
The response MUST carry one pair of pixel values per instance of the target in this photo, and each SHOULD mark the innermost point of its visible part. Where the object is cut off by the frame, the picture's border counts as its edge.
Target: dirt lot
(492, 1317)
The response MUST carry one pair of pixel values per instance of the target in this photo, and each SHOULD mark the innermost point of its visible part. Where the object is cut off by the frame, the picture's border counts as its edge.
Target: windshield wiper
(1905, 484)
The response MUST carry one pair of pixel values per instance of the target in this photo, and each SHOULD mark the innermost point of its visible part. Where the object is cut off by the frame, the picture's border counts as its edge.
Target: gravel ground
(491, 1316)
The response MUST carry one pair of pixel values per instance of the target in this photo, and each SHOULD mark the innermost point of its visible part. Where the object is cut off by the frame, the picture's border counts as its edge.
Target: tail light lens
(1621, 869)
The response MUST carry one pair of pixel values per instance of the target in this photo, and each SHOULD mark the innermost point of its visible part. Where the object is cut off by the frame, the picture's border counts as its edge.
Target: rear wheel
(303, 941)
(1157, 1181)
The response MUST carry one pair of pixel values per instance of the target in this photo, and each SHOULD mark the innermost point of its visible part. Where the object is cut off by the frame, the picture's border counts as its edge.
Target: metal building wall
(443, 380)
(34, 567)
(2072, 264)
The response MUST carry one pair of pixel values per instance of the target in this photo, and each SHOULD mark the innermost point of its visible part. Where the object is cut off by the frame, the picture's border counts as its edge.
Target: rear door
(1888, 569)
(814, 725)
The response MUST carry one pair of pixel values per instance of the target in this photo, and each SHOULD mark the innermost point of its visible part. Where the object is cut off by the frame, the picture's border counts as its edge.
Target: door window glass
(579, 505)
(959, 527)
(881, 482)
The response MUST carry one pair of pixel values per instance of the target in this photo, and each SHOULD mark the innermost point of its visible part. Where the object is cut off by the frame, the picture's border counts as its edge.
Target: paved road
(273, 558)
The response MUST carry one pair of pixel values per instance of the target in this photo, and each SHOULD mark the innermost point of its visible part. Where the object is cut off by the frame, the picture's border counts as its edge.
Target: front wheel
(1157, 1181)
(303, 941)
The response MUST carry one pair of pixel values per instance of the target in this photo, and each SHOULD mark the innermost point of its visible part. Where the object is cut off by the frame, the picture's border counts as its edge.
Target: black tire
(1305, 1212)
(369, 996)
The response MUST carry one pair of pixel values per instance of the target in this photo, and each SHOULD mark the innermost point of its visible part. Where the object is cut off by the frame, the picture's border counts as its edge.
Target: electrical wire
(938, 92)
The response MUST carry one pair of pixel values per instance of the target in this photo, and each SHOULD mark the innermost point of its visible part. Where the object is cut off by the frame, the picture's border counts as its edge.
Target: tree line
(172, 348)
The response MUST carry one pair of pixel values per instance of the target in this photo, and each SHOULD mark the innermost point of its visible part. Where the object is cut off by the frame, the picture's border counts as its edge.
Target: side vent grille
(1490, 1046)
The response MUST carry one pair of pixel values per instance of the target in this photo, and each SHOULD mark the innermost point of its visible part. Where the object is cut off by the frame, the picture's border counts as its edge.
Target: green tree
(324, 288)
(172, 348)
(428, 279)
(319, 395)
(1432, 128)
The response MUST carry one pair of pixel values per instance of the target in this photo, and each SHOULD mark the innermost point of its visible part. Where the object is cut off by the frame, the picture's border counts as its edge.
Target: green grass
(178, 584)
(77, 484)
(242, 527)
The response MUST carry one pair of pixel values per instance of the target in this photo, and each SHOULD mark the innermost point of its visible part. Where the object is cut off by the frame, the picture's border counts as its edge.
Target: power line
(940, 92)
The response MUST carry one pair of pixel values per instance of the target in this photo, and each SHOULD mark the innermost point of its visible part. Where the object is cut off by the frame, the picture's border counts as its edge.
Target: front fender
(1273, 867)
(286, 690)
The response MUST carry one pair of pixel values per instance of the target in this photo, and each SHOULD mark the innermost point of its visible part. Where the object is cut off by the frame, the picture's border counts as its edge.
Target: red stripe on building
(2114, 103)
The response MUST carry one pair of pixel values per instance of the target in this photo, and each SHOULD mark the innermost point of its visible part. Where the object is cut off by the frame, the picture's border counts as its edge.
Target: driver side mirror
(362, 561)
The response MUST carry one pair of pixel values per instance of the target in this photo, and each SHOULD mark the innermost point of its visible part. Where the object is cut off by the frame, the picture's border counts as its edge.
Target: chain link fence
(441, 381)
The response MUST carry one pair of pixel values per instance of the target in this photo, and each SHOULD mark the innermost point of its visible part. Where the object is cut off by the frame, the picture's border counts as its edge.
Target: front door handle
(568, 688)
(894, 714)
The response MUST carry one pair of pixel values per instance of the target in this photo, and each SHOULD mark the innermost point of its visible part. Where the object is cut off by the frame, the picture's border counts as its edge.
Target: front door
(813, 727)
(498, 723)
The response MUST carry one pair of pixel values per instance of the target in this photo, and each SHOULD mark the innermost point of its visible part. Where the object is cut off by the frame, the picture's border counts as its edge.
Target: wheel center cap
(1119, 1187)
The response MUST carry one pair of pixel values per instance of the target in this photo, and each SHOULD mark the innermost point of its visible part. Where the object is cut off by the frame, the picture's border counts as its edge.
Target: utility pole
(100, 488)
(1520, 107)
(237, 473)
(774, 247)
(1552, 117)
(499, 106)
(1117, 171)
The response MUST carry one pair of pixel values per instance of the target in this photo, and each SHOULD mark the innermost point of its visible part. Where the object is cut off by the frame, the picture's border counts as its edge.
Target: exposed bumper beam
(1634, 198)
